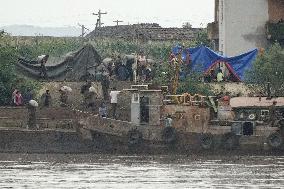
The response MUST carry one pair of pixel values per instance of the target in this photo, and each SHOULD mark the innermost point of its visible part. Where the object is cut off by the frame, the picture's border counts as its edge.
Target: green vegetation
(31, 47)
(9, 80)
(269, 67)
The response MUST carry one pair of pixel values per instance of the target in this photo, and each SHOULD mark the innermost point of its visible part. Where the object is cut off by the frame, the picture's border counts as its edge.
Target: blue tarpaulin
(202, 59)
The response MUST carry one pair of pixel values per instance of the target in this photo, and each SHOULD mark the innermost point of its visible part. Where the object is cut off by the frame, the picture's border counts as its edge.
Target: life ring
(275, 140)
(134, 138)
(230, 141)
(206, 141)
(169, 135)
(252, 116)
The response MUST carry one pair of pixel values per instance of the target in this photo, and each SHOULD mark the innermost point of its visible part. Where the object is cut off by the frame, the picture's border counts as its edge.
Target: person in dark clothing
(105, 86)
(43, 70)
(85, 92)
(28, 96)
(46, 99)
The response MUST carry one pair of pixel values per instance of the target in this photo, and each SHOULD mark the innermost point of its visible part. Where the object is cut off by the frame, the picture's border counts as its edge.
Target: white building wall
(242, 25)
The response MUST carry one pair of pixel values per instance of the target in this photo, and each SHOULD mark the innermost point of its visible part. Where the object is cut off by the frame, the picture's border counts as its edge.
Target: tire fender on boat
(206, 141)
(134, 137)
(275, 140)
(169, 135)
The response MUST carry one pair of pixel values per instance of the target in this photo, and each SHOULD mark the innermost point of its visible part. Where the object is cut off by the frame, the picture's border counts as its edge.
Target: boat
(187, 123)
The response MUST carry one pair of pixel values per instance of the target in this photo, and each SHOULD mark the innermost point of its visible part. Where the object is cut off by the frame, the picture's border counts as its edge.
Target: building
(145, 32)
(242, 25)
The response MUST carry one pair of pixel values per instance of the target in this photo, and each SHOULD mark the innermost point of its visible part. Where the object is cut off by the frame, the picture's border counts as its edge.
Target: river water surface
(166, 171)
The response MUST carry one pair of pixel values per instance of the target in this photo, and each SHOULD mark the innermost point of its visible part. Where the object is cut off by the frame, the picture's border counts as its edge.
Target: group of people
(91, 99)
(19, 100)
(133, 68)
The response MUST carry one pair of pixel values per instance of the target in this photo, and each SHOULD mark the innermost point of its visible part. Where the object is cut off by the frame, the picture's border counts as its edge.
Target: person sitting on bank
(113, 101)
(103, 110)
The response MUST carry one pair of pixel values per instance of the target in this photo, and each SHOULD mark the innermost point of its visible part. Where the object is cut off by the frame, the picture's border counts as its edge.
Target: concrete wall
(242, 25)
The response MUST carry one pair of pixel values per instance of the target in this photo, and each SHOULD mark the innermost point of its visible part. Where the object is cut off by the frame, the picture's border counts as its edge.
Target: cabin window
(264, 113)
(248, 128)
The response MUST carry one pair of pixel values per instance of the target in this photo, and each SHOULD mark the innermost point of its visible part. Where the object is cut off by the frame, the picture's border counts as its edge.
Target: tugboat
(187, 122)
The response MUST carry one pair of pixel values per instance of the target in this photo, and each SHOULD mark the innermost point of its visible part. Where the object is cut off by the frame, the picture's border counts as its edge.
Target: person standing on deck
(113, 101)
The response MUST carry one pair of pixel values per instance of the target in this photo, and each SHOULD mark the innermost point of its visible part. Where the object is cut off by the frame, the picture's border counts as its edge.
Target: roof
(238, 102)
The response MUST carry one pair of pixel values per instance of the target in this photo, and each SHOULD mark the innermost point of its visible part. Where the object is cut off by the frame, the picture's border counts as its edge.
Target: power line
(83, 28)
(117, 21)
(99, 14)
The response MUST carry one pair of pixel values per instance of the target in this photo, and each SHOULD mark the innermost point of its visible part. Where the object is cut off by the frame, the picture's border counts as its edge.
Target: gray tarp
(80, 65)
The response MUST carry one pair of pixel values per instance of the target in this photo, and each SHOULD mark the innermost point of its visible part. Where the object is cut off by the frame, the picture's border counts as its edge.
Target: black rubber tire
(169, 135)
(134, 138)
(230, 141)
(206, 141)
(275, 140)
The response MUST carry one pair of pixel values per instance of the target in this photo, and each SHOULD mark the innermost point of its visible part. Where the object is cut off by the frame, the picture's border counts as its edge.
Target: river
(151, 171)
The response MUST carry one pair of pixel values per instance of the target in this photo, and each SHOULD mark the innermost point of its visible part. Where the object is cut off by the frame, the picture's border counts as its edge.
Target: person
(272, 113)
(31, 105)
(103, 110)
(46, 97)
(18, 99)
(220, 76)
(226, 98)
(90, 97)
(43, 71)
(14, 97)
(63, 98)
(28, 96)
(168, 121)
(113, 101)
(148, 73)
(105, 85)
(85, 90)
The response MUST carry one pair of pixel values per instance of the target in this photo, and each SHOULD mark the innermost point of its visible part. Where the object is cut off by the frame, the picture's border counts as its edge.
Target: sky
(58, 13)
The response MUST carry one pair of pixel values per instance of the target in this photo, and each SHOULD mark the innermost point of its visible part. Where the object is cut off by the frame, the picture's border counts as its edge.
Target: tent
(77, 66)
(202, 59)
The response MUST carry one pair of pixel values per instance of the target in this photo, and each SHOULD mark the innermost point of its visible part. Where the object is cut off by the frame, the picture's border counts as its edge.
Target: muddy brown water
(151, 171)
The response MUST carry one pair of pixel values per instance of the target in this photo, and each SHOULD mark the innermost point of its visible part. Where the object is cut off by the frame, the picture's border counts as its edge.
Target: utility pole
(117, 21)
(99, 14)
(83, 28)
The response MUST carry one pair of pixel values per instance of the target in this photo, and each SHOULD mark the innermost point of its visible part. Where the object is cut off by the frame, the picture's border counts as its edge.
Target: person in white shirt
(113, 101)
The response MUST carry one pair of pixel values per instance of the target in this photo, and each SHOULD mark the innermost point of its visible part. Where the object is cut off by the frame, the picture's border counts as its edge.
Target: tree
(9, 79)
(269, 67)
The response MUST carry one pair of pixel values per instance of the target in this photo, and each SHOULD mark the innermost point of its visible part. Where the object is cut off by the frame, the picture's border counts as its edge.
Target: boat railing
(186, 99)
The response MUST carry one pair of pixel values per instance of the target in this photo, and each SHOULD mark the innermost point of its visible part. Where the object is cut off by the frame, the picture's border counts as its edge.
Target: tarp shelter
(202, 59)
(77, 66)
